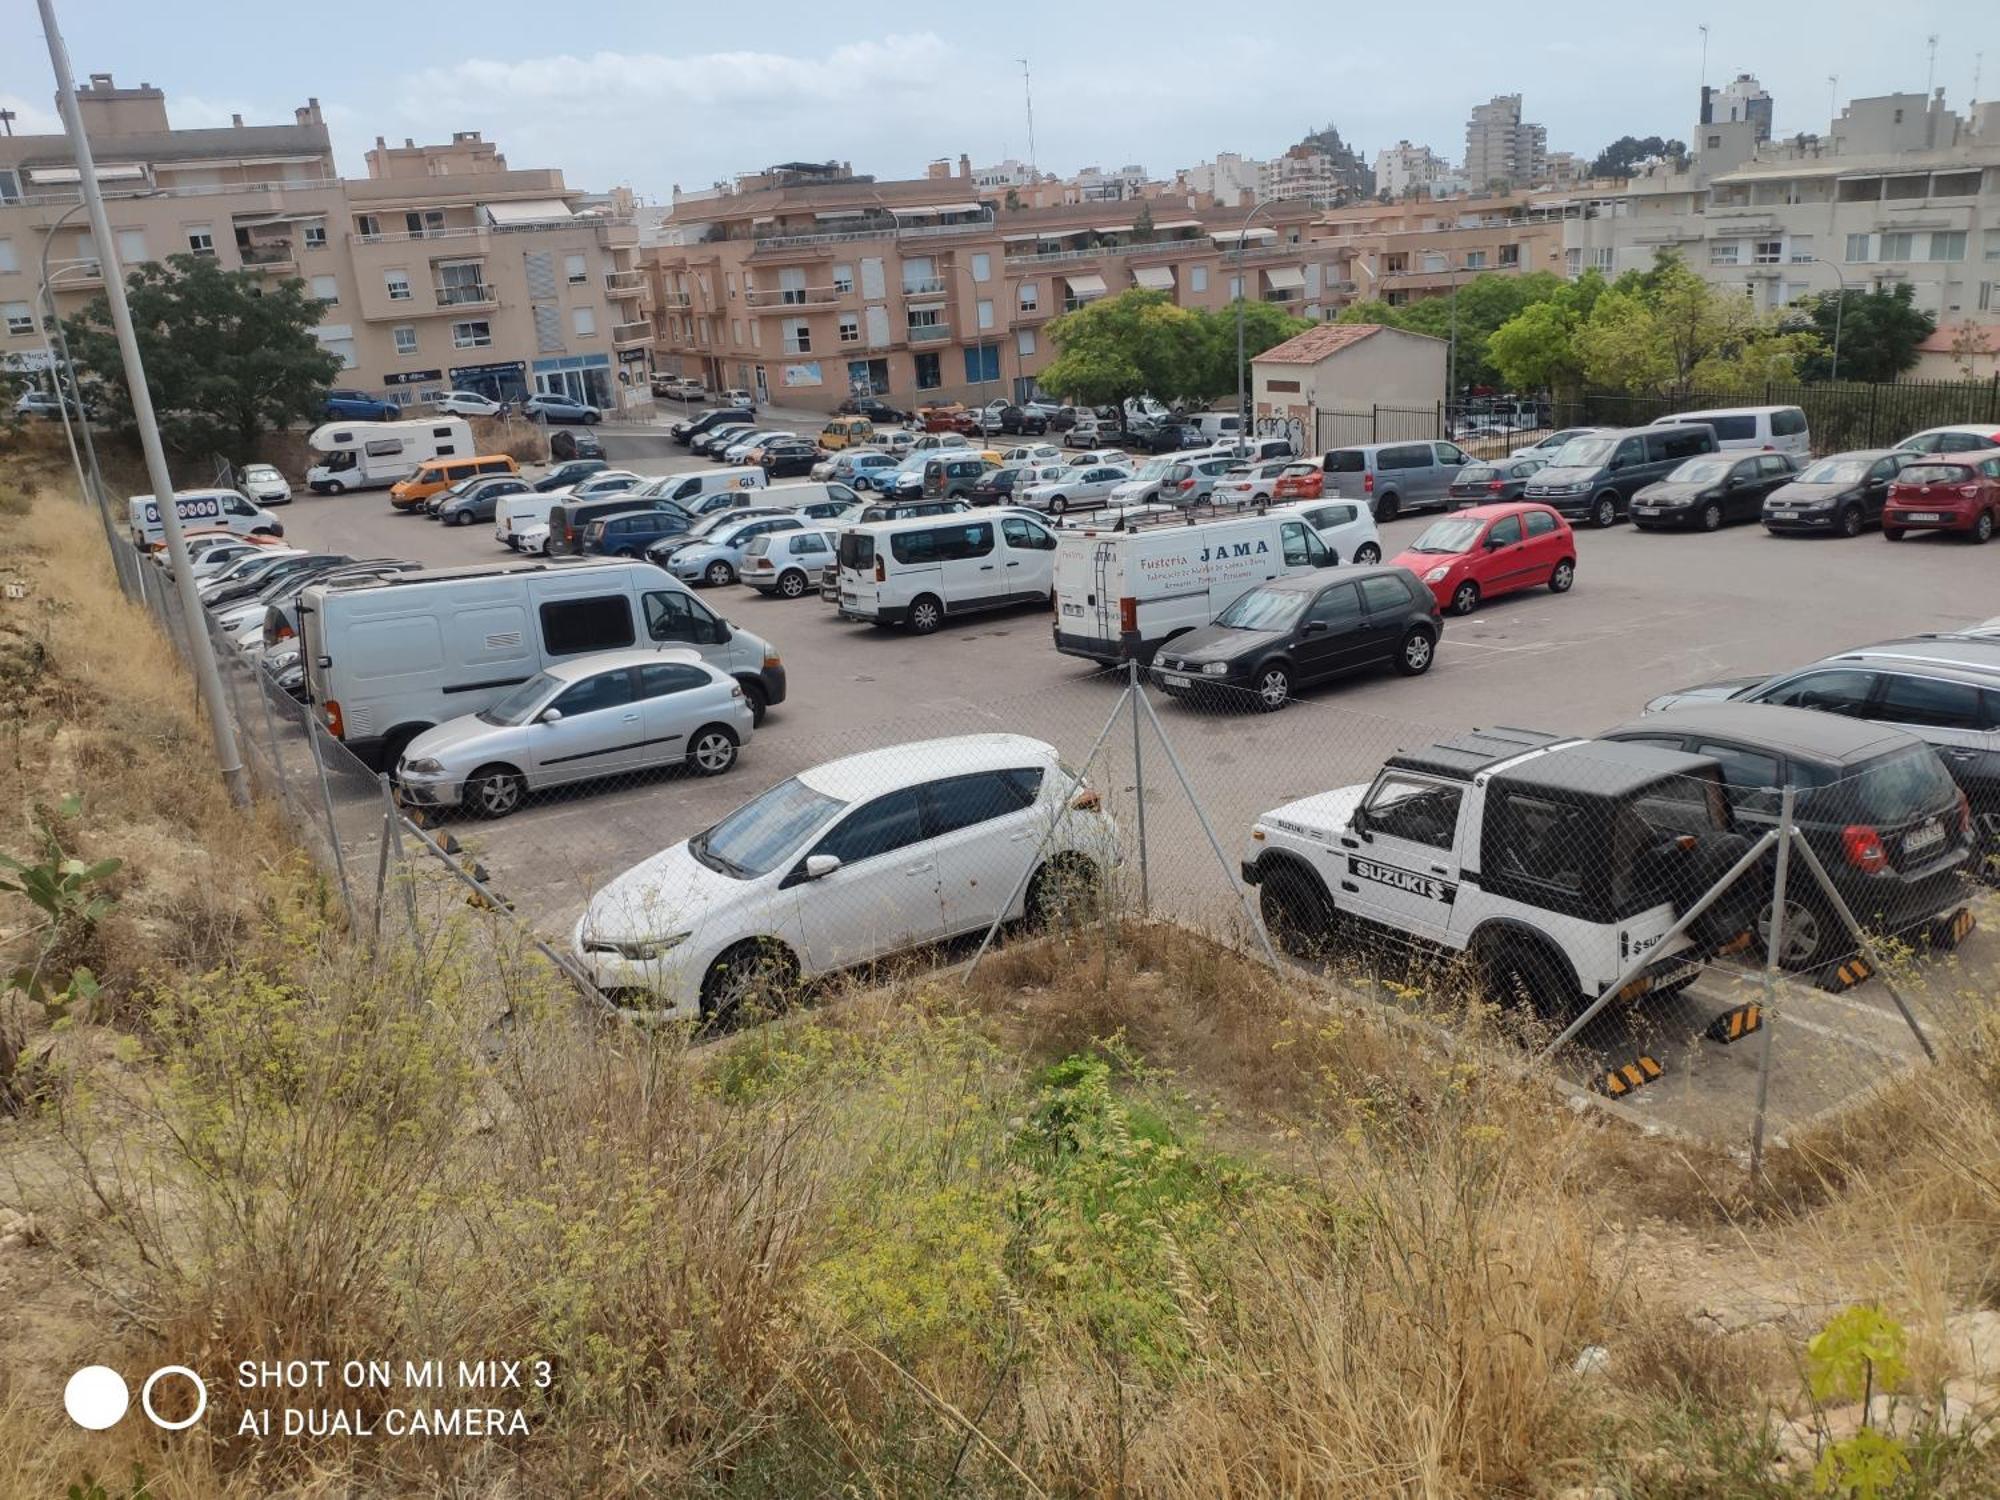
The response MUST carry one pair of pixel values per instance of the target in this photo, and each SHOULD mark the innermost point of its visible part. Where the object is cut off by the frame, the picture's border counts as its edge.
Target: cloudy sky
(630, 92)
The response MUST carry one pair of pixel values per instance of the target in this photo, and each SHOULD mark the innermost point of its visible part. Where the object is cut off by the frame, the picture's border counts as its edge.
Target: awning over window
(528, 211)
(264, 220)
(1231, 236)
(111, 172)
(1286, 278)
(1084, 287)
(1015, 239)
(1177, 224)
(935, 208)
(1114, 228)
(1158, 278)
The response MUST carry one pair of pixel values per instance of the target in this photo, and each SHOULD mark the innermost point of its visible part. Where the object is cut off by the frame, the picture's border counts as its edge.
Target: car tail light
(1970, 491)
(1128, 616)
(1964, 813)
(1086, 800)
(1862, 845)
(1493, 486)
(1367, 484)
(881, 573)
(284, 632)
(331, 711)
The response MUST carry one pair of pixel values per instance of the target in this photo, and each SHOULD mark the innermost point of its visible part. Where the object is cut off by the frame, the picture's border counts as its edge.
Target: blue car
(549, 407)
(359, 406)
(630, 533)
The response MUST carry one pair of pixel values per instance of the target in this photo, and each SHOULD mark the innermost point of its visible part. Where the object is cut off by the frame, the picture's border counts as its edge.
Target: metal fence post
(271, 738)
(403, 870)
(1774, 945)
(1139, 793)
(332, 828)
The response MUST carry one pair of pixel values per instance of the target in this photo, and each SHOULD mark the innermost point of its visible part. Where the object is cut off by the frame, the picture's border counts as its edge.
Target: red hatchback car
(1305, 481)
(1960, 494)
(1491, 550)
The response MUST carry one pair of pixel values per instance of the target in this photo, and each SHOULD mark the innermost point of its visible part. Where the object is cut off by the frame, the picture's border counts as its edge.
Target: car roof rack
(1188, 515)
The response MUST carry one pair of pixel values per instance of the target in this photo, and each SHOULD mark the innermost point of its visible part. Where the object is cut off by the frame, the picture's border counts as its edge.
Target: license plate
(1073, 609)
(845, 597)
(1924, 515)
(1645, 510)
(1923, 838)
(1174, 679)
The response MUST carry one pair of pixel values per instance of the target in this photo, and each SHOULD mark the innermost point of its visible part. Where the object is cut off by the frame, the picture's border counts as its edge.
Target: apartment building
(1900, 190)
(1502, 147)
(932, 291)
(443, 268)
(1303, 173)
(1403, 167)
(1404, 252)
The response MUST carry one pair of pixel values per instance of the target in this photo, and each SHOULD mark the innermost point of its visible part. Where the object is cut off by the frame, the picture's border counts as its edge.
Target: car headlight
(1215, 669)
(424, 766)
(1438, 575)
(650, 948)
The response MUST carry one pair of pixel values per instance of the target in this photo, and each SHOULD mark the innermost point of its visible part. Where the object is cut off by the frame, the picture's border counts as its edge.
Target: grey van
(1594, 478)
(1391, 478)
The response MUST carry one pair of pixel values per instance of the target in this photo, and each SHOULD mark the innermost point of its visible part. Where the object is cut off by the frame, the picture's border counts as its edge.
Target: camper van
(202, 513)
(389, 657)
(369, 455)
(1121, 593)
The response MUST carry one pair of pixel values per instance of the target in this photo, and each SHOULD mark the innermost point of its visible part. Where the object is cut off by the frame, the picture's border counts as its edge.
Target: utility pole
(1028, 92)
(1703, 29)
(200, 645)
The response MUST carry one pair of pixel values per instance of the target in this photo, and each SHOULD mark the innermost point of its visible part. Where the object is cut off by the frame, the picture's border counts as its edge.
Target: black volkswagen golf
(1291, 632)
(1713, 488)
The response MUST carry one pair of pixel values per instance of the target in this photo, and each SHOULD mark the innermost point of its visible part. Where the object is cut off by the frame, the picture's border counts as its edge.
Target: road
(1648, 612)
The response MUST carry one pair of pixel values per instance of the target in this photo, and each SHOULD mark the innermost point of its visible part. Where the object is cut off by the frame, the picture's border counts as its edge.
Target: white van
(367, 455)
(1772, 429)
(1217, 426)
(389, 657)
(202, 513)
(687, 490)
(816, 499)
(1122, 594)
(916, 572)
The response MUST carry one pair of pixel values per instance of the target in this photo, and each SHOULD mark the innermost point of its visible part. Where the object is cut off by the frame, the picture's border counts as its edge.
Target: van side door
(1030, 554)
(973, 571)
(1450, 459)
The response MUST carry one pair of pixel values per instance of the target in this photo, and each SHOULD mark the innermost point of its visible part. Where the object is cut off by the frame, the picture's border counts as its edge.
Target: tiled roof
(1315, 344)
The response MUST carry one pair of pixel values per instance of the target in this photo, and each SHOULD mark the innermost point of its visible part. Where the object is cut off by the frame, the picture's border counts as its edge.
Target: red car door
(1503, 558)
(1545, 547)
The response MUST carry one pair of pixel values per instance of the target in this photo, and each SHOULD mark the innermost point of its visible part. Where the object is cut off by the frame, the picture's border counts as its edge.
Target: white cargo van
(389, 657)
(1121, 594)
(815, 499)
(688, 490)
(1217, 426)
(1773, 429)
(916, 572)
(367, 455)
(202, 513)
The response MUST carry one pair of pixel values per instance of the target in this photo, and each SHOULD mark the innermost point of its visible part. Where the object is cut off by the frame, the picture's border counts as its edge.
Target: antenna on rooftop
(1930, 73)
(7, 116)
(1028, 91)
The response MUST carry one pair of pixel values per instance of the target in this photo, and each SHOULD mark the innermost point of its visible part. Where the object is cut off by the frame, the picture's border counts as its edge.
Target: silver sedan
(608, 714)
(1084, 487)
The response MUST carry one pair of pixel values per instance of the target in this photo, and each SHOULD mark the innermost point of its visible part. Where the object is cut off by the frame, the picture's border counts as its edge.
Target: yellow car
(846, 432)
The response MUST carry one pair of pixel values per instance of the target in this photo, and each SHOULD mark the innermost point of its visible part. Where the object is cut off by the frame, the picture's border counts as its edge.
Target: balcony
(1197, 243)
(275, 256)
(625, 283)
(457, 297)
(929, 333)
(778, 299)
(629, 335)
(676, 299)
(923, 286)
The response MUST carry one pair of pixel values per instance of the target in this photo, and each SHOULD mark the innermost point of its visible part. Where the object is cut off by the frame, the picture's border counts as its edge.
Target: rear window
(857, 550)
(1791, 422)
(1477, 474)
(1898, 787)
(1344, 461)
(1683, 442)
(1936, 474)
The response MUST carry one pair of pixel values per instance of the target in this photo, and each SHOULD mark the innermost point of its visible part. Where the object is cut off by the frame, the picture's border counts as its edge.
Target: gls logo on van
(1235, 549)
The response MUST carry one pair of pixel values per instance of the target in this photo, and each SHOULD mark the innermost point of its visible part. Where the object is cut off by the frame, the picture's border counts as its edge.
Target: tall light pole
(1242, 239)
(973, 282)
(47, 298)
(200, 646)
(1839, 306)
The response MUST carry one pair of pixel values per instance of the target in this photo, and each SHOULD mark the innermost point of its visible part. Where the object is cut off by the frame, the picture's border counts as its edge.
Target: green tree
(1142, 223)
(1480, 306)
(1879, 332)
(1137, 343)
(1537, 348)
(1622, 155)
(229, 355)
(1666, 329)
(1213, 370)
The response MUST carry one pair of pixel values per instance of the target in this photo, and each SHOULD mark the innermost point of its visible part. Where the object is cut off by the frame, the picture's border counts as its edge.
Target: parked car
(737, 396)
(1594, 478)
(1961, 497)
(898, 443)
(226, 589)
(468, 404)
(789, 457)
(788, 563)
(858, 469)
(715, 555)
(1961, 437)
(1094, 457)
(1147, 436)
(1032, 453)
(1890, 827)
(1346, 526)
(630, 533)
(477, 499)
(903, 510)
(610, 713)
(265, 485)
(1000, 485)
(566, 445)
(44, 404)
(1293, 632)
(717, 439)
(953, 476)
(1489, 481)
(563, 475)
(209, 555)
(846, 432)
(808, 878)
(1705, 492)
(1181, 479)
(1546, 448)
(1761, 429)
(549, 406)
(1086, 431)
(1252, 484)
(1839, 494)
(1395, 477)
(687, 431)
(1024, 419)
(873, 408)
(743, 449)
(569, 515)
(358, 406)
(1490, 550)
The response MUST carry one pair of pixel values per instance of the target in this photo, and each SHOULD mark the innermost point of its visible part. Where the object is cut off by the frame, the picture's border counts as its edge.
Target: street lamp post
(973, 282)
(47, 299)
(1242, 239)
(1839, 307)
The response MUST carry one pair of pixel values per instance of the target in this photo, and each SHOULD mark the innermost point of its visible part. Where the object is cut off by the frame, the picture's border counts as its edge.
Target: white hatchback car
(1346, 527)
(844, 864)
(466, 404)
(266, 485)
(606, 714)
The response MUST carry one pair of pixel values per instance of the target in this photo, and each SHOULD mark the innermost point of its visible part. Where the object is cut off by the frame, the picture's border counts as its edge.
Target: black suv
(1020, 419)
(1877, 807)
(1944, 689)
(1304, 629)
(716, 416)
(1162, 437)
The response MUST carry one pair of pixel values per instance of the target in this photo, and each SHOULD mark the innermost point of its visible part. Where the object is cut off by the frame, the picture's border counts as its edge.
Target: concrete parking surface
(1648, 612)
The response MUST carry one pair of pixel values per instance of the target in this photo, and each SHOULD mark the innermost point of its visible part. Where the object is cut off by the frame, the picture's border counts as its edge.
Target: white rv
(1122, 591)
(391, 656)
(369, 455)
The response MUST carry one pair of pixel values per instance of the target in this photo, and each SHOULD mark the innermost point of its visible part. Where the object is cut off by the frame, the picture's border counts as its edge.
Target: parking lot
(1648, 612)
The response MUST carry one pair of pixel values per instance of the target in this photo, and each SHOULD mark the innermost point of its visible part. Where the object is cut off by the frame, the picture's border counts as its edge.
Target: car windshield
(1837, 471)
(1935, 474)
(753, 839)
(518, 706)
(1153, 469)
(1582, 453)
(1263, 609)
(1448, 536)
(1701, 471)
(262, 471)
(708, 526)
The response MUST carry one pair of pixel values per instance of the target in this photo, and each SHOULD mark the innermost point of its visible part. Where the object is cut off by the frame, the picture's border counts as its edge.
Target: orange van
(442, 474)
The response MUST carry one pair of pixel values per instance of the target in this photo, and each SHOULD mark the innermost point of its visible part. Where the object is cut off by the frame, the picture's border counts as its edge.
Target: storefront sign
(413, 377)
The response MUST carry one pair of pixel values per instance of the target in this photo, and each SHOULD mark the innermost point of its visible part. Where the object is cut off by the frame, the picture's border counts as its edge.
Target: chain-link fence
(1610, 907)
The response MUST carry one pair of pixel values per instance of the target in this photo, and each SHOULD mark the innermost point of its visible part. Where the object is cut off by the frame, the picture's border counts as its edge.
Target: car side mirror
(1359, 822)
(819, 866)
(1313, 627)
(551, 716)
(1617, 464)
(1494, 543)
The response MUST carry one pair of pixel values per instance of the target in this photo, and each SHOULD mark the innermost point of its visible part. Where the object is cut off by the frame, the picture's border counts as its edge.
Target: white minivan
(917, 572)
(688, 490)
(389, 657)
(1771, 429)
(202, 513)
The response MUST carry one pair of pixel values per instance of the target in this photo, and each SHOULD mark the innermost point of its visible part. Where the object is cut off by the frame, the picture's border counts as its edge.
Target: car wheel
(335, 487)
(718, 573)
(1982, 529)
(1604, 512)
(1711, 517)
(926, 614)
(1809, 935)
(711, 751)
(1295, 910)
(1563, 576)
(756, 697)
(792, 584)
(461, 518)
(1387, 507)
(759, 974)
(1892, 533)
(1415, 655)
(1465, 598)
(1850, 521)
(1274, 687)
(593, 419)
(1069, 886)
(1518, 971)
(494, 791)
(1367, 553)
